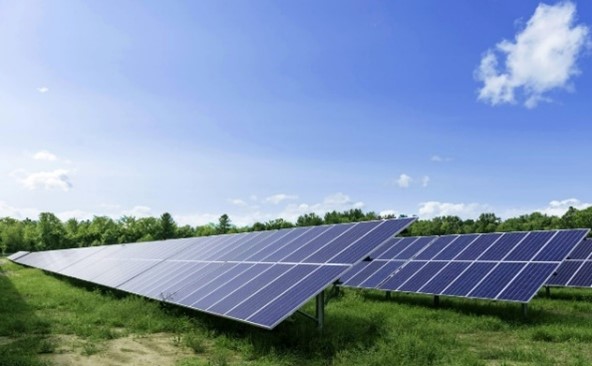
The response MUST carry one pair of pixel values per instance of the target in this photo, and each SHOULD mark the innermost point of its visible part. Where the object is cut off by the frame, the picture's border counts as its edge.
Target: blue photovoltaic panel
(582, 251)
(259, 278)
(499, 266)
(387, 259)
(468, 279)
(477, 247)
(576, 270)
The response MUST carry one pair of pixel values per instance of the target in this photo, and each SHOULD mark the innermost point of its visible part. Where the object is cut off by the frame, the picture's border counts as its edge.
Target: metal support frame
(319, 317)
(436, 301)
(548, 291)
(320, 311)
(388, 295)
(525, 310)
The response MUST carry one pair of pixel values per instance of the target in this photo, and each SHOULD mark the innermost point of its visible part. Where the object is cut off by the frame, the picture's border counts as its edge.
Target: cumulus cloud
(43, 89)
(137, 211)
(543, 57)
(55, 179)
(440, 159)
(404, 181)
(44, 155)
(425, 181)
(237, 202)
(385, 213)
(334, 202)
(279, 198)
(7, 210)
(560, 207)
(428, 210)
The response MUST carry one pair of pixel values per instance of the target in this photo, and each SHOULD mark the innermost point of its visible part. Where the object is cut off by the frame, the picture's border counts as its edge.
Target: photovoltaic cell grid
(499, 266)
(259, 278)
(576, 270)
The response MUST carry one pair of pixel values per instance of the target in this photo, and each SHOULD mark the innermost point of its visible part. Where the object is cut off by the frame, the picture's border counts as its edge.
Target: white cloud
(558, 208)
(388, 213)
(110, 206)
(428, 210)
(18, 213)
(425, 181)
(334, 202)
(440, 159)
(56, 179)
(542, 58)
(45, 155)
(404, 181)
(553, 208)
(237, 202)
(43, 89)
(137, 211)
(279, 198)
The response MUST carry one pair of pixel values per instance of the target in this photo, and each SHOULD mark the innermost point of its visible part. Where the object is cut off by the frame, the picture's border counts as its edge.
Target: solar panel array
(576, 271)
(498, 266)
(259, 278)
(17, 255)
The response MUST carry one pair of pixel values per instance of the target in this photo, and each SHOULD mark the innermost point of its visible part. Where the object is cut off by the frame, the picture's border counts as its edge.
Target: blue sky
(266, 109)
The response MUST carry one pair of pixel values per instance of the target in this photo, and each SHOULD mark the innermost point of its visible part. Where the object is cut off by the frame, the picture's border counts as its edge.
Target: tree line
(49, 232)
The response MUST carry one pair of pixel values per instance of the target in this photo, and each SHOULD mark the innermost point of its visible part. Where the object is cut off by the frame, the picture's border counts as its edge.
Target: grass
(38, 311)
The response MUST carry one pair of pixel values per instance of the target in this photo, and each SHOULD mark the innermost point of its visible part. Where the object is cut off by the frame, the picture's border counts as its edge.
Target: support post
(436, 301)
(548, 291)
(525, 310)
(320, 312)
(388, 295)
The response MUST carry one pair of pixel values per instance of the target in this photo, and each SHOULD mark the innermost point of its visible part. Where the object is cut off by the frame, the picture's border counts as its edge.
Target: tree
(487, 223)
(11, 235)
(185, 231)
(168, 227)
(50, 231)
(223, 224)
(309, 219)
(129, 230)
(149, 228)
(278, 224)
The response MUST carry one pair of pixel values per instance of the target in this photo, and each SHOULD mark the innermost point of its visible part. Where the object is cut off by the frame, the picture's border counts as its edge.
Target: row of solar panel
(498, 266)
(510, 266)
(259, 278)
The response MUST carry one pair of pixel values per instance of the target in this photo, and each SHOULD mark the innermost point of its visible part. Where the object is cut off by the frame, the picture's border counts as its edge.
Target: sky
(268, 109)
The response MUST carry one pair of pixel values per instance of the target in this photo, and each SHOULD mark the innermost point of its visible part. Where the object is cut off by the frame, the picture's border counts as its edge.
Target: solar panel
(499, 266)
(576, 270)
(259, 278)
(17, 255)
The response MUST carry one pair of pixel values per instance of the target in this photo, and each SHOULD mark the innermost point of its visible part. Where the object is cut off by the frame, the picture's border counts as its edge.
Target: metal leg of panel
(548, 291)
(320, 313)
(436, 301)
(388, 295)
(525, 310)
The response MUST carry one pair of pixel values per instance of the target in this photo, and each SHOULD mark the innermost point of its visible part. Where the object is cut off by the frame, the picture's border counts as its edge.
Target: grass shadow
(507, 312)
(569, 294)
(297, 336)
(23, 335)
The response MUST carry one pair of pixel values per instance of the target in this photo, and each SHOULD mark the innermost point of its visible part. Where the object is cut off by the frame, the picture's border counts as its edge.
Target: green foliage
(48, 232)
(223, 224)
(310, 219)
(168, 227)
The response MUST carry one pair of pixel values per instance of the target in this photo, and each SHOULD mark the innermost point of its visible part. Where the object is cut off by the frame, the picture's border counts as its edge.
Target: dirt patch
(150, 350)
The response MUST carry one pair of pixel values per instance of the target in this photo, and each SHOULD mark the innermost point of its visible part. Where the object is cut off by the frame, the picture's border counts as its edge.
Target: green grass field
(47, 320)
